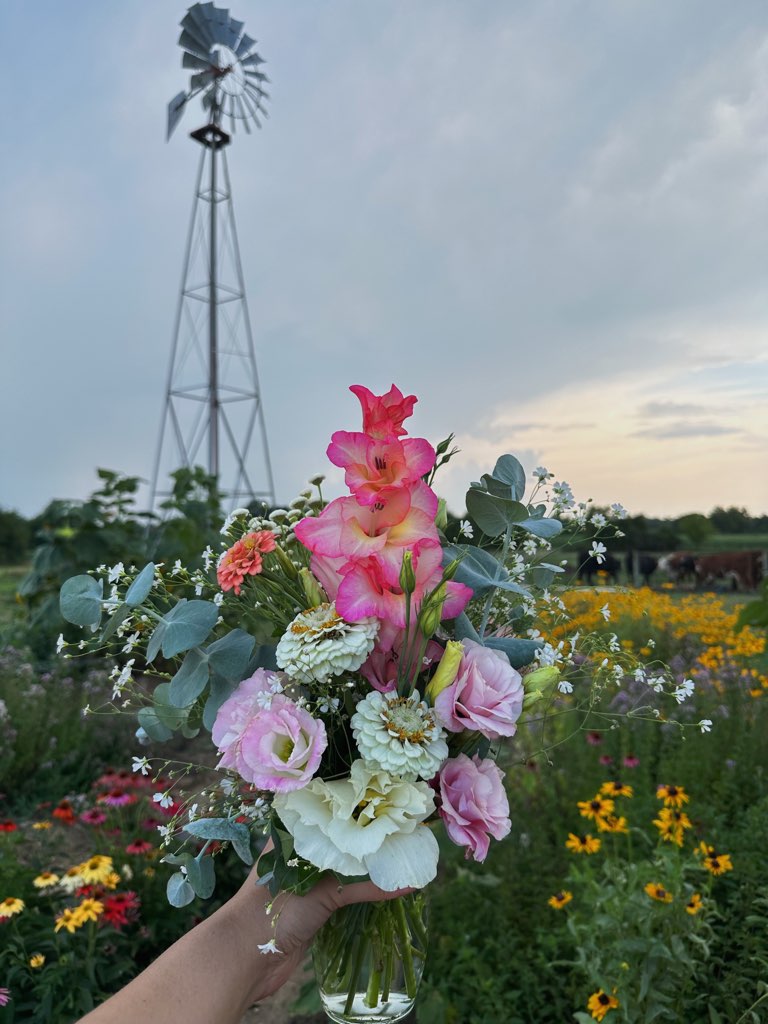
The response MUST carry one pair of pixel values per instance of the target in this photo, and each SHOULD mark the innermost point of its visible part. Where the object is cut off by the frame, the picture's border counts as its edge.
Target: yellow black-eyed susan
(560, 899)
(599, 1003)
(582, 844)
(673, 796)
(616, 789)
(597, 807)
(658, 892)
(694, 904)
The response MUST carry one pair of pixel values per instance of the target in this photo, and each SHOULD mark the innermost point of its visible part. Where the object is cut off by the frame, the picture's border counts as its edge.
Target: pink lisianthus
(374, 466)
(244, 559)
(474, 806)
(383, 415)
(486, 695)
(266, 738)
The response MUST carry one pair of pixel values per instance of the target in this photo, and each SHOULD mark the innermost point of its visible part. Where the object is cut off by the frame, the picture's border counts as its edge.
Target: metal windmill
(213, 404)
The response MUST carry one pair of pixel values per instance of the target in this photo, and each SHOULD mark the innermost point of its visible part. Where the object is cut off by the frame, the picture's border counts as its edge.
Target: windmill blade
(244, 114)
(219, 22)
(193, 44)
(245, 44)
(175, 110)
(195, 22)
(202, 80)
(256, 96)
(257, 77)
(235, 28)
(252, 60)
(191, 60)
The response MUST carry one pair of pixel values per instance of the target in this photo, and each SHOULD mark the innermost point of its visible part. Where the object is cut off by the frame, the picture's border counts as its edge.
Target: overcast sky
(548, 220)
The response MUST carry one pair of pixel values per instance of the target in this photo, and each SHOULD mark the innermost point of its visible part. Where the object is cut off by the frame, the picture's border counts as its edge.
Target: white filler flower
(319, 644)
(369, 824)
(399, 734)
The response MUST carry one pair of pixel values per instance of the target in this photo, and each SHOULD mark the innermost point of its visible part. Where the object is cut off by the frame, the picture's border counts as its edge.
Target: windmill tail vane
(225, 69)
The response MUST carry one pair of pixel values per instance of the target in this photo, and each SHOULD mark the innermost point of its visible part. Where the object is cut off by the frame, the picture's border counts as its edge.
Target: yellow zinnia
(96, 869)
(45, 879)
(69, 919)
(90, 910)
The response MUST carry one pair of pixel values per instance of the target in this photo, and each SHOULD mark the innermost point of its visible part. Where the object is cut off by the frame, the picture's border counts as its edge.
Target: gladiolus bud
(441, 519)
(407, 575)
(291, 571)
(432, 611)
(446, 671)
(450, 570)
(541, 679)
(313, 591)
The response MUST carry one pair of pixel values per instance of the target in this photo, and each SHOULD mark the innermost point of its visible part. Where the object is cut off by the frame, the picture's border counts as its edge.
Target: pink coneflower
(5, 996)
(605, 760)
(594, 739)
(93, 817)
(139, 846)
(150, 824)
(117, 798)
(631, 761)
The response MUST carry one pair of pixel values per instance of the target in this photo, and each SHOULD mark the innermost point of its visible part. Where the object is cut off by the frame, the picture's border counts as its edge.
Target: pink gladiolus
(381, 667)
(374, 466)
(474, 805)
(244, 559)
(487, 694)
(266, 738)
(383, 415)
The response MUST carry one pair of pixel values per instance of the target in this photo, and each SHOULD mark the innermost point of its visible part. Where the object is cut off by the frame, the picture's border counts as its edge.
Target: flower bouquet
(358, 664)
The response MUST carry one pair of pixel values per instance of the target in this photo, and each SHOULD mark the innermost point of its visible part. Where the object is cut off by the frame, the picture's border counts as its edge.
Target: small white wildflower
(613, 643)
(619, 511)
(140, 764)
(86, 710)
(164, 799)
(618, 673)
(541, 472)
(640, 675)
(293, 862)
(597, 551)
(549, 655)
(233, 515)
(530, 547)
(208, 558)
(177, 566)
(192, 812)
(598, 520)
(198, 589)
(164, 830)
(465, 529)
(115, 573)
(656, 684)
(269, 947)
(605, 611)
(130, 643)
(123, 679)
(218, 599)
(82, 645)
(683, 691)
(61, 643)
(651, 643)
(564, 686)
(705, 725)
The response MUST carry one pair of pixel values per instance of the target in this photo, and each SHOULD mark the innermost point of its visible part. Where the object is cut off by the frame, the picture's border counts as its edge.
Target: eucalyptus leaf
(116, 619)
(464, 630)
(509, 471)
(230, 655)
(152, 726)
(496, 487)
(80, 600)
(139, 590)
(186, 625)
(191, 679)
(201, 875)
(225, 830)
(539, 527)
(480, 570)
(520, 652)
(492, 513)
(180, 893)
(220, 690)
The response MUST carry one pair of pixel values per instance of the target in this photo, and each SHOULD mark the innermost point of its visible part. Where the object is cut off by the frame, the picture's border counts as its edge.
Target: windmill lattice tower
(213, 412)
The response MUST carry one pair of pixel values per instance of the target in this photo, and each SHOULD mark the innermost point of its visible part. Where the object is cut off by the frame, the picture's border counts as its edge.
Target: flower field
(631, 888)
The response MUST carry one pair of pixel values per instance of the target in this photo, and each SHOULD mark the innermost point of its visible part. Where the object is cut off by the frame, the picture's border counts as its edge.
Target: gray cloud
(683, 429)
(671, 409)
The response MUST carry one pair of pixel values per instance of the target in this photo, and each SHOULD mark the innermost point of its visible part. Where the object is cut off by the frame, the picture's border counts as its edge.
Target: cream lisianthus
(319, 644)
(370, 823)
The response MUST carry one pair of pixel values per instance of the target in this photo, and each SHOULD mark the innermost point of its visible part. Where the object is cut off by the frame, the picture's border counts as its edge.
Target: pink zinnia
(244, 559)
(474, 806)
(5, 996)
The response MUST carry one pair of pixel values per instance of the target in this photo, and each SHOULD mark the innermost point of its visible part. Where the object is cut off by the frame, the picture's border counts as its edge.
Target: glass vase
(369, 959)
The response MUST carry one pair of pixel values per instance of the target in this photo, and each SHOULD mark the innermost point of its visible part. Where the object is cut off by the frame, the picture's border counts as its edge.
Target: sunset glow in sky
(547, 219)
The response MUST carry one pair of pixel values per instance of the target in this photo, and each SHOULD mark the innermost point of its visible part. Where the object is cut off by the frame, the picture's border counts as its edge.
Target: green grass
(10, 578)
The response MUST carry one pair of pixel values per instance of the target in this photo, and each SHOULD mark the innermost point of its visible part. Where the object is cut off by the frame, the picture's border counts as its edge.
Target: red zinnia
(64, 812)
(8, 826)
(120, 908)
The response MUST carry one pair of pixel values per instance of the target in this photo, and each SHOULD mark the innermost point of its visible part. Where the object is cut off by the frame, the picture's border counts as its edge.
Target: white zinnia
(399, 734)
(319, 644)
(369, 824)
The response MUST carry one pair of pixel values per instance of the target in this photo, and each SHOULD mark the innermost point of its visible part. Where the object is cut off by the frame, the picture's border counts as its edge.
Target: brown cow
(735, 570)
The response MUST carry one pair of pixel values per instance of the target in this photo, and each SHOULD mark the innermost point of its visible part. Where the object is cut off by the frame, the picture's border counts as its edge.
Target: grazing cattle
(680, 566)
(639, 565)
(730, 570)
(588, 566)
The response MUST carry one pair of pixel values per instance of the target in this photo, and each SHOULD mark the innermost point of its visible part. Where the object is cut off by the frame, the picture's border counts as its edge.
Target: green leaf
(219, 691)
(464, 630)
(139, 590)
(225, 830)
(541, 527)
(480, 570)
(509, 471)
(80, 600)
(493, 514)
(520, 652)
(186, 625)
(714, 1016)
(116, 619)
(201, 875)
(191, 679)
(152, 726)
(229, 656)
(180, 893)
